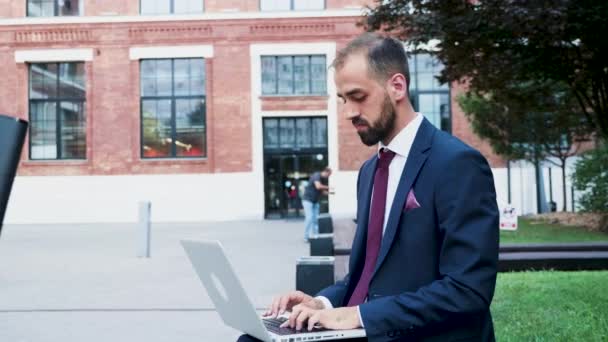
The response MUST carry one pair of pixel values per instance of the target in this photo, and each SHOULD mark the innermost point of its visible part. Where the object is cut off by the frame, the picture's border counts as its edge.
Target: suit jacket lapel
(415, 160)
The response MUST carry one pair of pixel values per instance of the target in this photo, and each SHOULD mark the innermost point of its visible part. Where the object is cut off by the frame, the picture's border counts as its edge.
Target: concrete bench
(555, 247)
(556, 260)
(512, 257)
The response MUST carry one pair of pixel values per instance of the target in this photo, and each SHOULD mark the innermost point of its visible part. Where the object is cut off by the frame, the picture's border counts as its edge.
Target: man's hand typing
(303, 316)
(289, 300)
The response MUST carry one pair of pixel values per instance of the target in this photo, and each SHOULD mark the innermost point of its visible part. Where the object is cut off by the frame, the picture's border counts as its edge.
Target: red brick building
(210, 109)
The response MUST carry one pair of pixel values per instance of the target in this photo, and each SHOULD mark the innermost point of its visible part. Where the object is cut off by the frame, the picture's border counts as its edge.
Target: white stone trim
(53, 55)
(278, 49)
(295, 113)
(27, 21)
(179, 51)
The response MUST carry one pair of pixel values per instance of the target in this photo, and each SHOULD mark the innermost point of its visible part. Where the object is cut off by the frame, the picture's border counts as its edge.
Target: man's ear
(397, 86)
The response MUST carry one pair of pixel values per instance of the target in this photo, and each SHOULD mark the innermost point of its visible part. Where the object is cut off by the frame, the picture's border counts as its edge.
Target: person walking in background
(317, 185)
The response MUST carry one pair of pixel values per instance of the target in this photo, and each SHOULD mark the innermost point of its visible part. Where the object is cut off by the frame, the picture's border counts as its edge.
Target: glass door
(294, 148)
(286, 177)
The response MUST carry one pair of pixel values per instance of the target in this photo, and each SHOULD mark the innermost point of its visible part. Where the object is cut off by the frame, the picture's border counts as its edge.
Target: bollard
(322, 245)
(144, 229)
(325, 224)
(314, 274)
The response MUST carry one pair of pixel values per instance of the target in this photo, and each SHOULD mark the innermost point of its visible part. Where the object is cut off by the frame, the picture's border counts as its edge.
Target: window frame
(173, 98)
(280, 147)
(415, 92)
(57, 101)
(171, 9)
(293, 76)
(55, 10)
(292, 7)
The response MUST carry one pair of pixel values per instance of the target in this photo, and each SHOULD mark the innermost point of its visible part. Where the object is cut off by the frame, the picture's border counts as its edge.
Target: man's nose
(350, 112)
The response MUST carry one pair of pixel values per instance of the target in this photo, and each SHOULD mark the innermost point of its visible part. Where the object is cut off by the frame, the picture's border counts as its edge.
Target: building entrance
(294, 148)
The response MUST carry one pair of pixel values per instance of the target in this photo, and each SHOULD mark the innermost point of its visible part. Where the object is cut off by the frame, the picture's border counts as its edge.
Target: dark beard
(382, 127)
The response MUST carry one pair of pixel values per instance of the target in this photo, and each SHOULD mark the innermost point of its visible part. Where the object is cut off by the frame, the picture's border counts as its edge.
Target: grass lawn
(527, 232)
(551, 306)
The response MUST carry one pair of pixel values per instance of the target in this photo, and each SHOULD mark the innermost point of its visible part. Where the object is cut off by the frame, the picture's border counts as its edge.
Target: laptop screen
(12, 135)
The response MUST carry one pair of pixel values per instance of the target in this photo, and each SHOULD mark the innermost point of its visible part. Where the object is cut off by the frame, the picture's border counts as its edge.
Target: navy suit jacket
(436, 270)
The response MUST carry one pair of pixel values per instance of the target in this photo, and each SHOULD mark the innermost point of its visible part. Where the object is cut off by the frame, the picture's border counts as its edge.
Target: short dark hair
(386, 56)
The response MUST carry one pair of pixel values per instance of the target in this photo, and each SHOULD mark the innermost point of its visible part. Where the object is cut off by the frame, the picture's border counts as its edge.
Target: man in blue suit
(424, 257)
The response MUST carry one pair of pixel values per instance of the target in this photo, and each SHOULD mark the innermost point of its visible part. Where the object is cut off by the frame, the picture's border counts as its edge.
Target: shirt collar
(402, 142)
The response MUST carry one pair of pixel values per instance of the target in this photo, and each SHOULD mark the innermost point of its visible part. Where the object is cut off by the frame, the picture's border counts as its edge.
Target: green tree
(528, 121)
(591, 178)
(495, 44)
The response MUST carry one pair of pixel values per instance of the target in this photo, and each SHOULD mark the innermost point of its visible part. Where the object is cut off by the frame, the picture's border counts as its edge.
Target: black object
(322, 245)
(12, 135)
(325, 224)
(314, 274)
(558, 261)
(554, 247)
(552, 206)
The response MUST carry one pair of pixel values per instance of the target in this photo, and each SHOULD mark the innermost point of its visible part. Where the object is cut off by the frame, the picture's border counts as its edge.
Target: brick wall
(9, 83)
(104, 7)
(12, 8)
(113, 114)
(339, 4)
(289, 103)
(231, 123)
(229, 5)
(17, 9)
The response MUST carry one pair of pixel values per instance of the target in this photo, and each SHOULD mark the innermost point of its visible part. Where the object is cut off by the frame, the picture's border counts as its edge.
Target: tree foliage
(531, 121)
(591, 177)
(496, 45)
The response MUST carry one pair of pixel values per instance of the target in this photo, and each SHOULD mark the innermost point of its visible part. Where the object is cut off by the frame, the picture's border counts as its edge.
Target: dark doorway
(294, 148)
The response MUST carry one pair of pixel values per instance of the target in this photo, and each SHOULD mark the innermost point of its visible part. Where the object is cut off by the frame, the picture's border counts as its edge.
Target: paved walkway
(85, 283)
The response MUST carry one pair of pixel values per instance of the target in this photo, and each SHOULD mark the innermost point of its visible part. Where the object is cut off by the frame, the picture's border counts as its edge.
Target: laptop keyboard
(273, 325)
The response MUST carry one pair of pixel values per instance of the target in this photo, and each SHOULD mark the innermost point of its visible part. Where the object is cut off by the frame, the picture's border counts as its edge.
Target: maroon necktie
(374, 227)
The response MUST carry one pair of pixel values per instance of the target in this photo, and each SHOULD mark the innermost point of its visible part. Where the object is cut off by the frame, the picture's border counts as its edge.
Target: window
(171, 6)
(173, 110)
(57, 111)
(294, 75)
(292, 5)
(428, 96)
(53, 8)
(295, 133)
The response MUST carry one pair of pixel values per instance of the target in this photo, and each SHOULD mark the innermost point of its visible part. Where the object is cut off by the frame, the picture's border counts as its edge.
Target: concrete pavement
(85, 283)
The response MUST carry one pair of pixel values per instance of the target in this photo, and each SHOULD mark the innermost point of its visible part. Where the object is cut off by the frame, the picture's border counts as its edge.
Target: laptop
(12, 135)
(235, 307)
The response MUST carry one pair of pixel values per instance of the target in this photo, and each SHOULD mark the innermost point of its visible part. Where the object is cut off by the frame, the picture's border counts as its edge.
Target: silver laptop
(235, 308)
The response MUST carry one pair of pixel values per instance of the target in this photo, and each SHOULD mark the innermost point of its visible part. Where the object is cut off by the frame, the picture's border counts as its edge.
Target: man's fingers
(302, 317)
(313, 320)
(284, 302)
(295, 311)
(272, 308)
(275, 306)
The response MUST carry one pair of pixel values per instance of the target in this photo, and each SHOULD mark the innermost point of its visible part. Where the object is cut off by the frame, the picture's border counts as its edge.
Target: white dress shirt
(401, 145)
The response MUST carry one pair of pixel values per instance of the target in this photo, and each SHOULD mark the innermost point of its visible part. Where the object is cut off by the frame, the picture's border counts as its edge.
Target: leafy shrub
(591, 178)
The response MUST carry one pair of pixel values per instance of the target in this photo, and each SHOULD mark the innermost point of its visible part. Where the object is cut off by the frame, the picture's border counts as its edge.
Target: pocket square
(411, 202)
